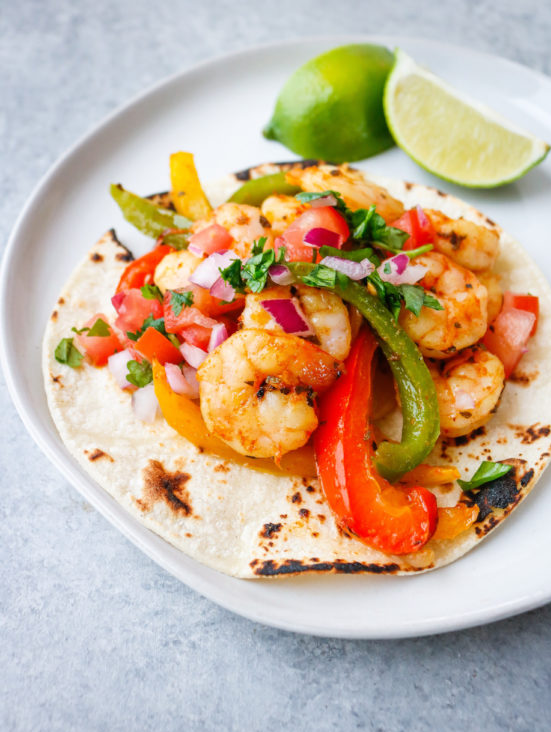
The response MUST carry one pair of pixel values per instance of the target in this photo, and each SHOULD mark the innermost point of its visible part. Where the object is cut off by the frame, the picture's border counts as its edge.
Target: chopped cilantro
(100, 328)
(139, 374)
(67, 353)
(356, 255)
(308, 197)
(180, 300)
(322, 276)
(232, 275)
(151, 292)
(149, 322)
(486, 472)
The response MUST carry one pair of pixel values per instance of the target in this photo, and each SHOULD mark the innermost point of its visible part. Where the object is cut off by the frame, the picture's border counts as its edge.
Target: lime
(332, 107)
(452, 135)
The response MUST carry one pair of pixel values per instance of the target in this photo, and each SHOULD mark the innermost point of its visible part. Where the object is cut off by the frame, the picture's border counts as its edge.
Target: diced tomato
(507, 337)
(141, 271)
(133, 308)
(419, 227)
(203, 304)
(99, 348)
(212, 239)
(324, 217)
(197, 335)
(189, 315)
(153, 344)
(529, 303)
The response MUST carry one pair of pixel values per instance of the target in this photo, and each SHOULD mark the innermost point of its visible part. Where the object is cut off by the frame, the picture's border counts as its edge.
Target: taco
(320, 443)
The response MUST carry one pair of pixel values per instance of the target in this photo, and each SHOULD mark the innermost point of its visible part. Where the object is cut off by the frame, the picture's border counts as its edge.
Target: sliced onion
(329, 200)
(191, 378)
(222, 290)
(463, 400)
(288, 314)
(208, 271)
(218, 335)
(280, 274)
(118, 366)
(320, 237)
(402, 272)
(193, 355)
(145, 403)
(195, 250)
(354, 270)
(117, 299)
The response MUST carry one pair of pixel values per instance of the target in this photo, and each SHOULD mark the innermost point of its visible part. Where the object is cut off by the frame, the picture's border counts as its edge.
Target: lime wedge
(451, 135)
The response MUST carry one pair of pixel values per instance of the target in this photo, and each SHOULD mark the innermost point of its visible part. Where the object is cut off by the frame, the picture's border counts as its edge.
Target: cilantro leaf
(80, 331)
(67, 353)
(309, 196)
(139, 374)
(100, 328)
(432, 302)
(180, 300)
(322, 276)
(232, 275)
(414, 298)
(151, 292)
(486, 472)
(254, 271)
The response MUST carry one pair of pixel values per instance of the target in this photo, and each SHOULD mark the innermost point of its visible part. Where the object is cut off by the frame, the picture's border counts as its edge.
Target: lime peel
(452, 135)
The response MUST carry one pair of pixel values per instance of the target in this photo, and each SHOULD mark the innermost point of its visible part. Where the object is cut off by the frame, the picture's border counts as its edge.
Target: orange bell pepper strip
(430, 475)
(141, 271)
(184, 416)
(395, 520)
(187, 195)
(454, 521)
(154, 345)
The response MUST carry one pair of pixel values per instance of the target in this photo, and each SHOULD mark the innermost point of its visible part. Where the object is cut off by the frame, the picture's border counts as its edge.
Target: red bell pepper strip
(395, 520)
(142, 270)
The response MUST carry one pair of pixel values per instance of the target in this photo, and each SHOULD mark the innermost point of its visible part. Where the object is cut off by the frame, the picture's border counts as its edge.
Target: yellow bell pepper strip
(421, 419)
(454, 521)
(188, 197)
(151, 219)
(254, 192)
(431, 475)
(184, 416)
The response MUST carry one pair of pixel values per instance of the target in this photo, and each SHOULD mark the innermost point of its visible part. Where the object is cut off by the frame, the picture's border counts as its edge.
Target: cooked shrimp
(464, 318)
(356, 191)
(491, 282)
(281, 211)
(468, 388)
(257, 391)
(324, 311)
(245, 223)
(174, 270)
(471, 245)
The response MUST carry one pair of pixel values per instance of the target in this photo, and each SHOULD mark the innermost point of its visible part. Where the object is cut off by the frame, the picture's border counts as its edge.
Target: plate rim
(56, 452)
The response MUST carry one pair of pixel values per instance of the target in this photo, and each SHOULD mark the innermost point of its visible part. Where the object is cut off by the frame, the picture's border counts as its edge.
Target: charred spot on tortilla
(248, 173)
(97, 454)
(54, 315)
(269, 530)
(523, 379)
(528, 435)
(304, 513)
(96, 257)
(269, 568)
(160, 485)
(465, 439)
(296, 498)
(57, 379)
(61, 301)
(500, 493)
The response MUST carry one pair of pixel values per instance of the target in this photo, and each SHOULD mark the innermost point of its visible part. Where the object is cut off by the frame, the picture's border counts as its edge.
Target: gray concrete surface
(94, 636)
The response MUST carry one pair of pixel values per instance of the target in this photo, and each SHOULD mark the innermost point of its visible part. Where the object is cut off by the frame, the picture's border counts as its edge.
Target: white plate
(217, 110)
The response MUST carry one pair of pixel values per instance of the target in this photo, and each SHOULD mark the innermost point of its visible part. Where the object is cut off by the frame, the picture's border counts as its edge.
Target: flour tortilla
(251, 524)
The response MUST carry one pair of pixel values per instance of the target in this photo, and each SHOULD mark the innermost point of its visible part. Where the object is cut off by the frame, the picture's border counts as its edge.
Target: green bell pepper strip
(253, 192)
(151, 219)
(421, 425)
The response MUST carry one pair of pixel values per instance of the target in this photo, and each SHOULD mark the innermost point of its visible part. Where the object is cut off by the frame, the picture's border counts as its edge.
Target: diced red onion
(175, 378)
(118, 366)
(463, 400)
(320, 237)
(354, 270)
(402, 272)
(325, 201)
(218, 335)
(193, 355)
(191, 378)
(195, 250)
(117, 299)
(280, 274)
(208, 271)
(222, 290)
(145, 403)
(288, 314)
